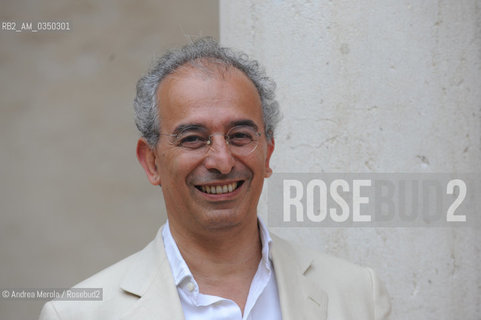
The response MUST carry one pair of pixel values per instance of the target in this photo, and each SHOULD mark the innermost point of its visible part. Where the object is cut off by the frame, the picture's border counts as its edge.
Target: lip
(221, 196)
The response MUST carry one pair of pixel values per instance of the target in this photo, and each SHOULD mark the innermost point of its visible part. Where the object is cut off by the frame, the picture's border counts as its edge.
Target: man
(207, 116)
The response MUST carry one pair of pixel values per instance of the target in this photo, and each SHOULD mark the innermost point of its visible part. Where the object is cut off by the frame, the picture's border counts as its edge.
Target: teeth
(220, 189)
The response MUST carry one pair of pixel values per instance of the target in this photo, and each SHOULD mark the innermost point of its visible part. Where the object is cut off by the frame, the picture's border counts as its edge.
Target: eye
(191, 141)
(241, 136)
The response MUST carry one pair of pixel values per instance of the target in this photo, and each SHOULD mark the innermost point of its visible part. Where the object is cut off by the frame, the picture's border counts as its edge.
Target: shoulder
(110, 276)
(113, 302)
(349, 287)
(314, 262)
(107, 281)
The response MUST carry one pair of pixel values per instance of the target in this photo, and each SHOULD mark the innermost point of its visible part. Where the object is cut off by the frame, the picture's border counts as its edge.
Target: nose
(219, 156)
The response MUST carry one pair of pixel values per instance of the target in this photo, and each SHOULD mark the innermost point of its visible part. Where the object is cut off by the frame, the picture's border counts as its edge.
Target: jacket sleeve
(381, 299)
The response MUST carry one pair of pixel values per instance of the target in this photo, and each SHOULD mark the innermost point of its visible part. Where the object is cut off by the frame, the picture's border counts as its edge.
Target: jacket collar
(150, 278)
(299, 297)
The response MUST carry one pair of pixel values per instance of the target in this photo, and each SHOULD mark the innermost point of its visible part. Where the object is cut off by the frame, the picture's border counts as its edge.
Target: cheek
(167, 166)
(257, 166)
(176, 166)
(261, 158)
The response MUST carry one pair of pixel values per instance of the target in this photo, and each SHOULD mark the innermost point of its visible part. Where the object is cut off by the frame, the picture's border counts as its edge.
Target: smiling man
(207, 117)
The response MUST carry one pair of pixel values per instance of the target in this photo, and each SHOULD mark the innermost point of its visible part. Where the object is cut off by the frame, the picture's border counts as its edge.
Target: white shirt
(262, 301)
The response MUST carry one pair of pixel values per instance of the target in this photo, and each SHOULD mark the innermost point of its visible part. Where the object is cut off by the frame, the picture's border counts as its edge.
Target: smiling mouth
(220, 189)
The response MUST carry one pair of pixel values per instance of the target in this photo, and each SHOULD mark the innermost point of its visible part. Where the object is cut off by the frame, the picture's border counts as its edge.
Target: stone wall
(378, 86)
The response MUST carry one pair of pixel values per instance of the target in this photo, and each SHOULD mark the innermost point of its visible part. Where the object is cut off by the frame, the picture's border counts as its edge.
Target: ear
(270, 149)
(147, 159)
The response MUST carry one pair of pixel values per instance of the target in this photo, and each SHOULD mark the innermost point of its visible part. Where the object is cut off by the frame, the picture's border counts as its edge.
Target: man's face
(214, 103)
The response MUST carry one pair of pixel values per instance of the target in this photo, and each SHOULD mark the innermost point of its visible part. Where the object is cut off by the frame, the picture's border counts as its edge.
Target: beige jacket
(311, 286)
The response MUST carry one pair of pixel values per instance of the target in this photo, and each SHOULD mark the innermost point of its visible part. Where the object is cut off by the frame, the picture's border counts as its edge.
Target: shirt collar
(179, 267)
(266, 242)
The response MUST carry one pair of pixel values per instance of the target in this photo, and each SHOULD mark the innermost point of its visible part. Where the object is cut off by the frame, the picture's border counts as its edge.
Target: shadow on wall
(73, 198)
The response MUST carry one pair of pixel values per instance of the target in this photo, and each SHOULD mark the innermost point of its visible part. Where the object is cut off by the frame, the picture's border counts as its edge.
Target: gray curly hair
(205, 49)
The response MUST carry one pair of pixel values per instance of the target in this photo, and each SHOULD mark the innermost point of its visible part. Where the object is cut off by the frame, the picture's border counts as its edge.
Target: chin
(223, 220)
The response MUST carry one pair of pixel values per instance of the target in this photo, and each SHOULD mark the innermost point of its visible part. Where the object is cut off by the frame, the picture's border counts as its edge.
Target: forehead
(211, 97)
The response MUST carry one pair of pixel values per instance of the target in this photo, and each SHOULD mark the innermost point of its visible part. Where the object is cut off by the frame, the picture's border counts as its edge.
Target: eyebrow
(200, 127)
(245, 122)
(189, 127)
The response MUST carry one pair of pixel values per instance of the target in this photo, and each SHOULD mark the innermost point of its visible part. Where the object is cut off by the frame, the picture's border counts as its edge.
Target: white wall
(378, 86)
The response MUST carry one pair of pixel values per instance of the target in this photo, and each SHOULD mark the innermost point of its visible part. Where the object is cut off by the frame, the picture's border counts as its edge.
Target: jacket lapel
(151, 279)
(299, 297)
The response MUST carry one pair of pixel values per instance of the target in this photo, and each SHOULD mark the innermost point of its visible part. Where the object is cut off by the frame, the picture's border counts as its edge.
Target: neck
(220, 250)
(223, 262)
